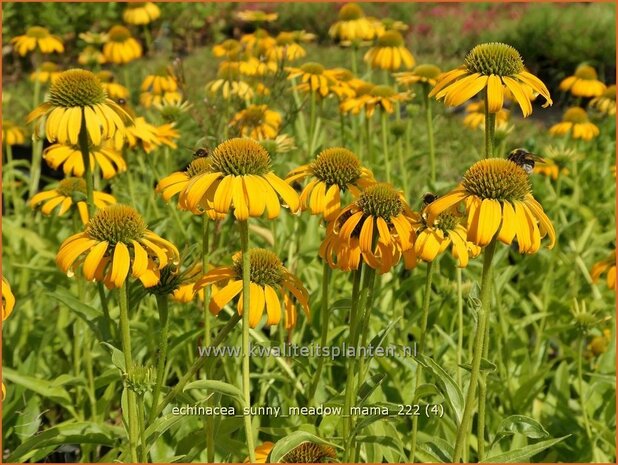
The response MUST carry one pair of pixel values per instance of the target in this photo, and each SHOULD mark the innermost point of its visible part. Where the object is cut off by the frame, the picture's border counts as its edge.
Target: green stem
(128, 361)
(107, 331)
(88, 175)
(387, 160)
(459, 325)
(483, 321)
(430, 137)
(162, 307)
(209, 425)
(490, 129)
(402, 165)
(582, 397)
(368, 140)
(12, 183)
(198, 364)
(325, 316)
(312, 123)
(246, 359)
(354, 314)
(482, 399)
(142, 435)
(342, 128)
(355, 60)
(421, 349)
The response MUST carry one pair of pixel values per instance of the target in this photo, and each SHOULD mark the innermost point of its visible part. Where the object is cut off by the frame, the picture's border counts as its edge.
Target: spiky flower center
(69, 186)
(337, 165)
(229, 70)
(116, 223)
(37, 32)
(265, 268)
(390, 39)
(105, 76)
(427, 71)
(119, 34)
(199, 166)
(350, 12)
(254, 115)
(364, 89)
(446, 222)
(586, 72)
(48, 67)
(310, 452)
(312, 68)
(231, 45)
(237, 157)
(381, 200)
(610, 92)
(575, 115)
(494, 58)
(285, 38)
(383, 91)
(76, 88)
(498, 179)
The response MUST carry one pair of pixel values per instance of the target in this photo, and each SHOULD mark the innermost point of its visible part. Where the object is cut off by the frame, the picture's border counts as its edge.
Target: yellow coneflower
(334, 170)
(12, 134)
(47, 72)
(185, 291)
(149, 135)
(498, 201)
(116, 241)
(256, 16)
(151, 99)
(381, 212)
(240, 177)
(37, 37)
(344, 83)
(606, 102)
(140, 13)
(91, 56)
(354, 26)
(177, 182)
(229, 48)
(391, 24)
(94, 38)
(575, 123)
(268, 277)
(420, 74)
(493, 67)
(383, 97)
(160, 82)
(121, 47)
(257, 122)
(262, 452)
(608, 266)
(356, 103)
(475, 115)
(584, 83)
(229, 82)
(313, 78)
(389, 53)
(286, 48)
(76, 97)
(446, 230)
(258, 43)
(599, 344)
(253, 67)
(114, 90)
(8, 299)
(550, 169)
(69, 192)
(69, 156)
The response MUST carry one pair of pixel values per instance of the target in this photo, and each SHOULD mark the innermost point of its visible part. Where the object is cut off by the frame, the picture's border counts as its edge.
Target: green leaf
(218, 386)
(425, 390)
(42, 387)
(369, 387)
(117, 356)
(486, 365)
(522, 425)
(523, 454)
(290, 442)
(93, 317)
(450, 390)
(66, 433)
